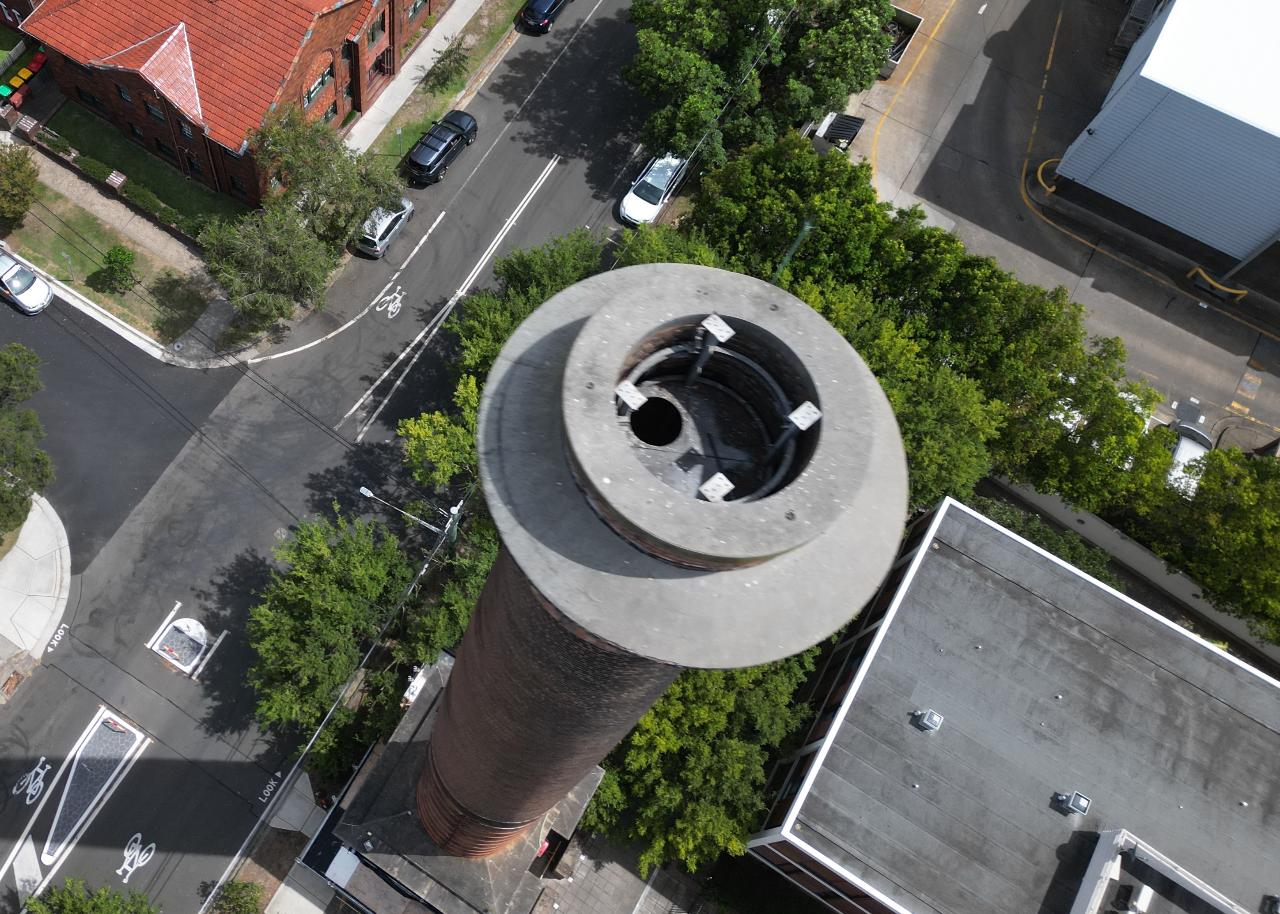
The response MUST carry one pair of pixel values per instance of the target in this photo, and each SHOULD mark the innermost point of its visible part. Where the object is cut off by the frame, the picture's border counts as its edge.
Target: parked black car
(539, 15)
(430, 157)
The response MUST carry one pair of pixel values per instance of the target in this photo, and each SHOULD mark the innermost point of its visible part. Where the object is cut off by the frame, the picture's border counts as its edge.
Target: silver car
(22, 286)
(382, 227)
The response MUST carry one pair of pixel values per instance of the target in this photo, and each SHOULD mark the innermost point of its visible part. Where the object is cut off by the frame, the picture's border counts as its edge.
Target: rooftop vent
(1073, 802)
(927, 720)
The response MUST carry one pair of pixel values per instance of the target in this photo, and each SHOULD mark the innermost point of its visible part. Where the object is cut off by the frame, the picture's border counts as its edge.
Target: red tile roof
(222, 62)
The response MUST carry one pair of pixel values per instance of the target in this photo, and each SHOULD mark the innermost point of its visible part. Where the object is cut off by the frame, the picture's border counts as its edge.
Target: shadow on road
(585, 111)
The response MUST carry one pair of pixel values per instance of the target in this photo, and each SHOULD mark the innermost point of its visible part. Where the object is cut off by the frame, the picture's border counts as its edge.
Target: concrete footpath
(414, 67)
(35, 580)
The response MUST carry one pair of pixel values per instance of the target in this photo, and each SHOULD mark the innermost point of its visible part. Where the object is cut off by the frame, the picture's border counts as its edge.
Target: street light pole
(364, 490)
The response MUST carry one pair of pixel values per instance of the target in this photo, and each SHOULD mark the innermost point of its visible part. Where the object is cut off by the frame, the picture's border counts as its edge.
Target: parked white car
(1192, 444)
(382, 227)
(652, 190)
(29, 293)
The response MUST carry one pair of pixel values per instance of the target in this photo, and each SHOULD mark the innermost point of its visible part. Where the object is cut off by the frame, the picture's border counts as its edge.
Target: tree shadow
(182, 299)
(233, 590)
(587, 112)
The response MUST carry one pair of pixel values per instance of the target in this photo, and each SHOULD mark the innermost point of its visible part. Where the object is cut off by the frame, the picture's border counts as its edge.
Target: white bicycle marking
(135, 856)
(33, 781)
(391, 302)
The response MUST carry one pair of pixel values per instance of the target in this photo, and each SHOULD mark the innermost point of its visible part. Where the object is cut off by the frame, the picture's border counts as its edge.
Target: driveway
(988, 90)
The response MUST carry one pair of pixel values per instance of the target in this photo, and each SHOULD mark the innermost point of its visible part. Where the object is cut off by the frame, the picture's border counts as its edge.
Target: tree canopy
(333, 188)
(24, 468)
(73, 897)
(341, 579)
(688, 781)
(19, 182)
(1226, 535)
(729, 74)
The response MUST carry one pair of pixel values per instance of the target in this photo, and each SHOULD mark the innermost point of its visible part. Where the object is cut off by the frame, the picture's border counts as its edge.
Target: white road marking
(64, 849)
(151, 642)
(421, 241)
(200, 668)
(449, 305)
(85, 820)
(26, 869)
(332, 333)
(135, 856)
(982, 9)
(84, 737)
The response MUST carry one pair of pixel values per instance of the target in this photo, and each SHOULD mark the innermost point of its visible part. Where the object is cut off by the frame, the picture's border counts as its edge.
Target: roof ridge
(140, 42)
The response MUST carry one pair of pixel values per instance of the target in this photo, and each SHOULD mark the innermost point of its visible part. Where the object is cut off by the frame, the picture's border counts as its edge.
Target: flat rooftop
(1222, 54)
(1048, 682)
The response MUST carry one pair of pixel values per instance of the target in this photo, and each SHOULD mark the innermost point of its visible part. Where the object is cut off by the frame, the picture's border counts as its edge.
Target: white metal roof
(1222, 53)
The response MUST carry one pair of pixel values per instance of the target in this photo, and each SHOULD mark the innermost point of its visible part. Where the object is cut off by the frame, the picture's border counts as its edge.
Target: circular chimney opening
(657, 422)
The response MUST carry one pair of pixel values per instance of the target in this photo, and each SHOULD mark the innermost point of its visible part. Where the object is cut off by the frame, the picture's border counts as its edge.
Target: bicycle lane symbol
(135, 855)
(33, 781)
(390, 302)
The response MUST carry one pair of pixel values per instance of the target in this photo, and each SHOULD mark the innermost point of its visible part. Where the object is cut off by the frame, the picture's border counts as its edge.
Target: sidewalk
(35, 579)
(415, 66)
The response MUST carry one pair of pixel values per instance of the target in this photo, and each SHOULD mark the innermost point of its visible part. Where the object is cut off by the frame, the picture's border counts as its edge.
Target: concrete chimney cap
(604, 506)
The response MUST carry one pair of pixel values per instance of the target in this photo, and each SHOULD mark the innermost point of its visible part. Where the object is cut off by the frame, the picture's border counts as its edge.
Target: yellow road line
(875, 138)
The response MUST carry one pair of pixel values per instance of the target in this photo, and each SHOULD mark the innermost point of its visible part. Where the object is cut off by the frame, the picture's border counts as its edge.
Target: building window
(167, 150)
(185, 129)
(237, 185)
(346, 93)
(88, 98)
(347, 48)
(316, 87)
(136, 131)
(155, 112)
(378, 28)
(416, 7)
(193, 165)
(124, 93)
(331, 113)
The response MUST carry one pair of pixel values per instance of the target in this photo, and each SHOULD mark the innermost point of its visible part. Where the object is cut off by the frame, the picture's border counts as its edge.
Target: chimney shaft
(688, 468)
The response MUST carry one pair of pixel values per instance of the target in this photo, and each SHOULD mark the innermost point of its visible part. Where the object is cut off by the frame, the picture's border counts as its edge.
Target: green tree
(333, 188)
(268, 262)
(19, 182)
(24, 468)
(117, 267)
(1227, 535)
(663, 244)
(340, 581)
(731, 74)
(688, 781)
(1067, 545)
(526, 278)
(72, 897)
(238, 898)
(449, 68)
(439, 448)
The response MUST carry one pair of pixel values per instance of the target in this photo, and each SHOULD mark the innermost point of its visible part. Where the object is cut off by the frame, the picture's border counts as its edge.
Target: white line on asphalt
(332, 333)
(516, 114)
(48, 791)
(92, 809)
(982, 9)
(421, 242)
(103, 796)
(151, 643)
(200, 668)
(449, 305)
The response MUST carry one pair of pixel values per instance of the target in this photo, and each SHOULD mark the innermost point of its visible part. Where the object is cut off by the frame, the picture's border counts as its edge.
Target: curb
(120, 327)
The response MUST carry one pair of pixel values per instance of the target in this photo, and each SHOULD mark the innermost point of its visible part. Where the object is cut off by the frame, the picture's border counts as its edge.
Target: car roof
(380, 217)
(540, 7)
(6, 261)
(459, 120)
(1186, 431)
(662, 170)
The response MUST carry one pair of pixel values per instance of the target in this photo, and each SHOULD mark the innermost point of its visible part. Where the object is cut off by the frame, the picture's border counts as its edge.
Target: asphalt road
(177, 484)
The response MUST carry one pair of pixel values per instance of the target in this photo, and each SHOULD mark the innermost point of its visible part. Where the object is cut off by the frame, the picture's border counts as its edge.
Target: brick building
(190, 80)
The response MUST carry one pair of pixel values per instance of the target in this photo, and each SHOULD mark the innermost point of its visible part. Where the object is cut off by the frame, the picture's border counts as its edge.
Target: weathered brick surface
(529, 709)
